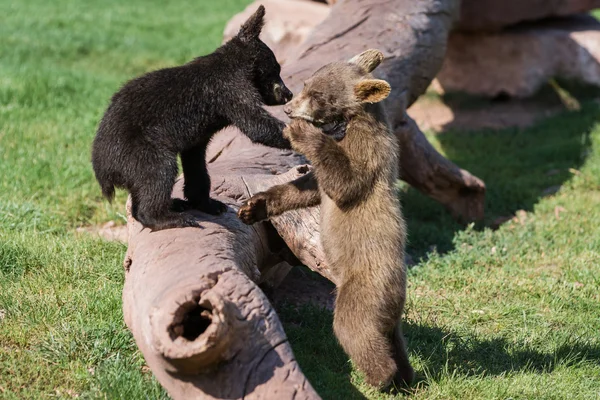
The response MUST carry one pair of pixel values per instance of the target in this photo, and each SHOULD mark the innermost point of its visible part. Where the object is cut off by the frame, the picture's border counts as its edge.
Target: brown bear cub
(177, 110)
(362, 230)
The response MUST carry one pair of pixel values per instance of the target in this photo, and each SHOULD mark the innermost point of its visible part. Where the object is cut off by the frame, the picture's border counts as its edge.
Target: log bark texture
(191, 297)
(494, 15)
(518, 61)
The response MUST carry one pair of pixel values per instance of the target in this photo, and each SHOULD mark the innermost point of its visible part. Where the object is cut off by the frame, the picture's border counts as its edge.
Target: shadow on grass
(324, 363)
(443, 351)
(326, 366)
(519, 167)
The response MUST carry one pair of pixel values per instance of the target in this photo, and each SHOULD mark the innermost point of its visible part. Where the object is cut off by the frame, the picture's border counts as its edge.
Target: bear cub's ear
(368, 60)
(252, 27)
(372, 90)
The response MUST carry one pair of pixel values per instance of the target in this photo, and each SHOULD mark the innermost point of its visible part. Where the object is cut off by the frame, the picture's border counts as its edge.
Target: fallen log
(495, 15)
(205, 328)
(518, 61)
(290, 22)
(191, 298)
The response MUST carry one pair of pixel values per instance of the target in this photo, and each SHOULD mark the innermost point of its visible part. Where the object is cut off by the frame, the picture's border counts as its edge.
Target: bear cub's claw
(253, 210)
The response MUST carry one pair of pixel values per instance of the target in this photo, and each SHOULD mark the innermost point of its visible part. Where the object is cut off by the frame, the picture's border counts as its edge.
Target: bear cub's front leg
(197, 185)
(299, 193)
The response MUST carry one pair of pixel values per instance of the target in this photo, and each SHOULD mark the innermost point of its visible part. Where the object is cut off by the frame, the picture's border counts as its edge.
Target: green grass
(511, 313)
(61, 324)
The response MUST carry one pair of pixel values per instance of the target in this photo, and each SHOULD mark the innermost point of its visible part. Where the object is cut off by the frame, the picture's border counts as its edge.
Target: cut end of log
(192, 329)
(469, 203)
(462, 193)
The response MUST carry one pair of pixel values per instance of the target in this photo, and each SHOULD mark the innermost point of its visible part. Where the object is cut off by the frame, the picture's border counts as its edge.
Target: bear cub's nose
(287, 109)
(286, 94)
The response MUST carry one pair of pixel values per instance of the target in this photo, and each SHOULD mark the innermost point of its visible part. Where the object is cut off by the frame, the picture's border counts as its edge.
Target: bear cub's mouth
(336, 130)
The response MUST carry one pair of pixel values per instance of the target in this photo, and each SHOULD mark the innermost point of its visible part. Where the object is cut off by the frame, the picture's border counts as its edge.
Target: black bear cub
(177, 110)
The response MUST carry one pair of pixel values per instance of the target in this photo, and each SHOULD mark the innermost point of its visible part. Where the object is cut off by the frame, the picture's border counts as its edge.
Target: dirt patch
(440, 111)
(108, 231)
(437, 115)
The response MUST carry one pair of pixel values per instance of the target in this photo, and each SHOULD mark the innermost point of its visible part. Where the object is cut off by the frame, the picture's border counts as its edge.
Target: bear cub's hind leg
(150, 206)
(406, 373)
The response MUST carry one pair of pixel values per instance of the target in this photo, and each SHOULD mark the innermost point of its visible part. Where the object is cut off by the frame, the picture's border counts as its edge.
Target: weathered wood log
(191, 298)
(494, 15)
(289, 23)
(518, 61)
(192, 302)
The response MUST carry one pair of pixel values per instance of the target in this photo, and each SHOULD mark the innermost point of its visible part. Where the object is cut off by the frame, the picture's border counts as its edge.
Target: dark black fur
(176, 111)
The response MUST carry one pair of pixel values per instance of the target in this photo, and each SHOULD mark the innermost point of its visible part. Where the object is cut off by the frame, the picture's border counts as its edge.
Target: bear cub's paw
(213, 207)
(381, 374)
(180, 205)
(187, 220)
(254, 209)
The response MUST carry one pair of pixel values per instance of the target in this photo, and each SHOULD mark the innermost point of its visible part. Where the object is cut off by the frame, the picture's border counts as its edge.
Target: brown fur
(362, 230)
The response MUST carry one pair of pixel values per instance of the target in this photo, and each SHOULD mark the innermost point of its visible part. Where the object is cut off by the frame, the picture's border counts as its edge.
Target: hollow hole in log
(191, 320)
